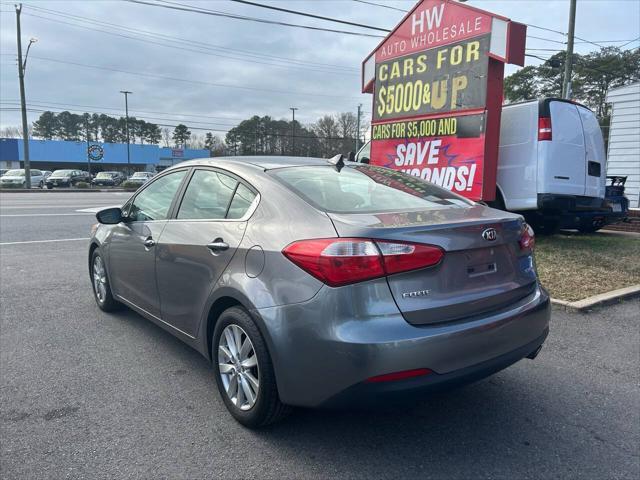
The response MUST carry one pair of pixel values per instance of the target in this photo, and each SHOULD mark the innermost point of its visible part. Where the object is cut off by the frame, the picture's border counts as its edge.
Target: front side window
(207, 196)
(154, 202)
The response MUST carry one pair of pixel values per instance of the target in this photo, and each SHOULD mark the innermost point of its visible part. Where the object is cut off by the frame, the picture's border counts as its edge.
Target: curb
(601, 299)
(60, 190)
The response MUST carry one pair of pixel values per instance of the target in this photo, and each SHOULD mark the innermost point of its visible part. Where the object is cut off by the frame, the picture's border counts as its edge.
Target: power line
(311, 15)
(191, 8)
(381, 5)
(143, 112)
(197, 49)
(40, 105)
(187, 41)
(263, 133)
(196, 82)
(583, 40)
(630, 42)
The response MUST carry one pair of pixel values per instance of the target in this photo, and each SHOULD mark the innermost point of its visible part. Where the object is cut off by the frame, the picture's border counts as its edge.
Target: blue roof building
(57, 154)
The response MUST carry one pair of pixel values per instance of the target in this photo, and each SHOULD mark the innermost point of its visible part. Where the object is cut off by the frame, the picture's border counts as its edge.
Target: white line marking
(46, 215)
(96, 209)
(37, 207)
(45, 241)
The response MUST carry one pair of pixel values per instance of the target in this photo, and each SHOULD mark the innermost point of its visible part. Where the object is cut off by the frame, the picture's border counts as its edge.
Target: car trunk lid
(478, 273)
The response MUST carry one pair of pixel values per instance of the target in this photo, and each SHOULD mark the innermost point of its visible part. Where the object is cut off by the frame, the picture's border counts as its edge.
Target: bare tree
(15, 132)
(166, 137)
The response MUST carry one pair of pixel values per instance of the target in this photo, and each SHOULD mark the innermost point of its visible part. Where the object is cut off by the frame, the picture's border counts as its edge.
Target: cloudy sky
(210, 72)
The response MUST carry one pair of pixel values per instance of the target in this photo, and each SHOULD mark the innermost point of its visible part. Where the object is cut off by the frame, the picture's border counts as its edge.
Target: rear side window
(242, 200)
(207, 196)
(365, 189)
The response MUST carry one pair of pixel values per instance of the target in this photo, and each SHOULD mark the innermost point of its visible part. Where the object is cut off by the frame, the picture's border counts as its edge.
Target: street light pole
(293, 130)
(126, 127)
(358, 128)
(23, 103)
(568, 61)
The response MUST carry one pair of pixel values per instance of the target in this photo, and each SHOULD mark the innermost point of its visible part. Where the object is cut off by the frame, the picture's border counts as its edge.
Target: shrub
(130, 186)
(82, 185)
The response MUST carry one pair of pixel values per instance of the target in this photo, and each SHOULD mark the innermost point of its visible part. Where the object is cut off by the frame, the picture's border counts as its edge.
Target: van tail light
(544, 128)
(342, 261)
(527, 238)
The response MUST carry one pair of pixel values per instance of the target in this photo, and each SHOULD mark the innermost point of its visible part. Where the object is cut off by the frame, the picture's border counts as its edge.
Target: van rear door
(595, 157)
(561, 160)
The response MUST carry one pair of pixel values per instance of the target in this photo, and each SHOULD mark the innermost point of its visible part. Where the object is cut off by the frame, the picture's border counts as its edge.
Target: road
(94, 395)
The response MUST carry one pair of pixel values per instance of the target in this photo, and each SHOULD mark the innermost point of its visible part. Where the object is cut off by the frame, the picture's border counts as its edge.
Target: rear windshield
(365, 189)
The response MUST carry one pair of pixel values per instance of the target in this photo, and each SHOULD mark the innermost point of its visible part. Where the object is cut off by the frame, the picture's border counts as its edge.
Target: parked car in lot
(67, 178)
(46, 174)
(111, 179)
(140, 178)
(16, 178)
(310, 282)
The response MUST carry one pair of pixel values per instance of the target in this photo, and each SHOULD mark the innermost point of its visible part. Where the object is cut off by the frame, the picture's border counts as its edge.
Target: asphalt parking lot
(95, 395)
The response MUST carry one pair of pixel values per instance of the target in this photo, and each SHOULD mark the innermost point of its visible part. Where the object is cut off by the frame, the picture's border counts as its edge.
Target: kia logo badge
(490, 234)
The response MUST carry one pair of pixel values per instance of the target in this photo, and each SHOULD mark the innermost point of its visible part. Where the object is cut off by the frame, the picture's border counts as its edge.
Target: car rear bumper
(384, 393)
(325, 349)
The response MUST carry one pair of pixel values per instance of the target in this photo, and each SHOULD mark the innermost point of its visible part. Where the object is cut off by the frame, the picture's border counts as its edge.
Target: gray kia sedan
(314, 282)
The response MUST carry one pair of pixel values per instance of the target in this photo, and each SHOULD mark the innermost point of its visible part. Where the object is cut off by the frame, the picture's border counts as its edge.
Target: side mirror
(364, 160)
(110, 216)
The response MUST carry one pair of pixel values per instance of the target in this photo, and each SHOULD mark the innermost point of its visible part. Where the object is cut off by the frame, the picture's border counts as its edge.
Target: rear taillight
(342, 261)
(527, 238)
(544, 128)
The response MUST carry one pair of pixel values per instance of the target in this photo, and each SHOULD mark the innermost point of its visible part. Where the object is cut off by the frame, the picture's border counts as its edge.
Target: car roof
(261, 162)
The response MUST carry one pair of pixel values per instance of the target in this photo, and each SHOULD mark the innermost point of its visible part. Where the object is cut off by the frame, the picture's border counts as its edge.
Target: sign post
(436, 81)
(95, 153)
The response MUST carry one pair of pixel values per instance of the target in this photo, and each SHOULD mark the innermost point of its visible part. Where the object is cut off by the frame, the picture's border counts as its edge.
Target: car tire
(101, 286)
(41, 185)
(266, 407)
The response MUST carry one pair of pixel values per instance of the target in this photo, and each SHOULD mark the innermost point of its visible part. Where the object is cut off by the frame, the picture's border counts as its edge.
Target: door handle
(149, 242)
(218, 245)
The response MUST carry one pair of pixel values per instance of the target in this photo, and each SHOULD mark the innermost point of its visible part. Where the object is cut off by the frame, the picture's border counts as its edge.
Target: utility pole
(23, 103)
(293, 130)
(358, 128)
(88, 156)
(126, 127)
(568, 61)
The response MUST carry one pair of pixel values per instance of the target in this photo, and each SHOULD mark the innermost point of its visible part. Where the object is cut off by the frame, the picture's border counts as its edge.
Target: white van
(551, 167)
(552, 164)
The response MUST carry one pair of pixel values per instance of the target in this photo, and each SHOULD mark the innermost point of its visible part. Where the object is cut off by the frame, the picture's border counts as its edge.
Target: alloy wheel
(99, 279)
(238, 367)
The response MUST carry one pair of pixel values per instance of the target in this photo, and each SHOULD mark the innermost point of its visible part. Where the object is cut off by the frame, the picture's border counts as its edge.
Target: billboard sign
(436, 81)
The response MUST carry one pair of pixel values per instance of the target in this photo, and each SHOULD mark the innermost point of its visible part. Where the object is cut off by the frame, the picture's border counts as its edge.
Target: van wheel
(244, 371)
